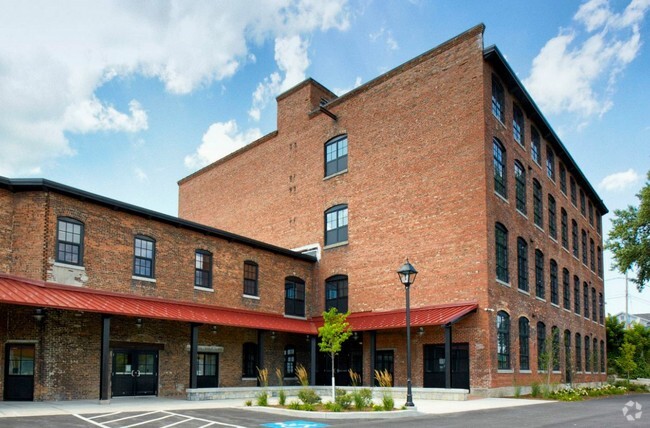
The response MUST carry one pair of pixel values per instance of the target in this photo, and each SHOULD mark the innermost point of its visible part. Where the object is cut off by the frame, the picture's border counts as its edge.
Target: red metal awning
(21, 291)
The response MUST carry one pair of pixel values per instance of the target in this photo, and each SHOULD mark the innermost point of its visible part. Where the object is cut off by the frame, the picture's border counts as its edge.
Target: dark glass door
(207, 372)
(385, 360)
(434, 366)
(19, 372)
(135, 372)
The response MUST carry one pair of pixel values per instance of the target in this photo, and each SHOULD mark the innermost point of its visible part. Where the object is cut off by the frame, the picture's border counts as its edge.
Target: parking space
(155, 419)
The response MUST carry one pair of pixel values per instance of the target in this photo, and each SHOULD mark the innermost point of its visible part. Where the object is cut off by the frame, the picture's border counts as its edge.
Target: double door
(434, 366)
(135, 372)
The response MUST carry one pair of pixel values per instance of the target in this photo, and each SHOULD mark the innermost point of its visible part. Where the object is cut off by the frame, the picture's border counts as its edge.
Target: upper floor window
(503, 340)
(144, 257)
(574, 192)
(598, 222)
(524, 351)
(594, 307)
(584, 247)
(336, 224)
(535, 146)
(585, 299)
(576, 295)
(592, 255)
(69, 241)
(336, 293)
(294, 296)
(517, 124)
(289, 361)
(522, 264)
(574, 236)
(562, 178)
(539, 275)
(583, 208)
(550, 163)
(520, 187)
(336, 155)
(555, 295)
(251, 272)
(498, 100)
(249, 360)
(591, 212)
(203, 269)
(599, 254)
(542, 352)
(601, 308)
(537, 204)
(499, 154)
(565, 229)
(552, 219)
(501, 241)
(566, 285)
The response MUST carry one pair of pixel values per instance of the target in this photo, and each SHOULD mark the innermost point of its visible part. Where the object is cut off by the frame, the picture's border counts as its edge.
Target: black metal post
(409, 393)
(312, 360)
(194, 353)
(104, 372)
(448, 355)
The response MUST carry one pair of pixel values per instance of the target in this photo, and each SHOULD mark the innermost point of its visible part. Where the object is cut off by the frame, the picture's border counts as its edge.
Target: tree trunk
(333, 381)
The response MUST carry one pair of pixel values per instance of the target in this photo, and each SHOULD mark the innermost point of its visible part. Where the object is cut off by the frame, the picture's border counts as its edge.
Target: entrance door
(385, 360)
(19, 372)
(207, 371)
(434, 366)
(135, 372)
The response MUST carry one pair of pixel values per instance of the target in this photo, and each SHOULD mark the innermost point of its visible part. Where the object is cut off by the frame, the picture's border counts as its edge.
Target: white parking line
(187, 418)
(105, 415)
(179, 422)
(148, 420)
(206, 420)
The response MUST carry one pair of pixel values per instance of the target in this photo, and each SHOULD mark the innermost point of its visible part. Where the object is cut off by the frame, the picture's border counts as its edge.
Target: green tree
(333, 333)
(615, 337)
(625, 361)
(640, 337)
(629, 238)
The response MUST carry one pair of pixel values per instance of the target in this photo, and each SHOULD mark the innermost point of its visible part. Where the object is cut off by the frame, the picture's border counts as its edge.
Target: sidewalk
(138, 404)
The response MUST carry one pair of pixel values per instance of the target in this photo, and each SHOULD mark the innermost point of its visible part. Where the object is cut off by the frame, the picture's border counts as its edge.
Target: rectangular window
(566, 285)
(202, 269)
(535, 146)
(251, 272)
(518, 124)
(520, 187)
(294, 297)
(591, 212)
(584, 247)
(601, 308)
(592, 255)
(539, 275)
(144, 257)
(336, 225)
(69, 241)
(578, 353)
(574, 235)
(550, 163)
(499, 155)
(585, 299)
(600, 262)
(552, 219)
(574, 197)
(562, 178)
(537, 204)
(587, 355)
(576, 295)
(501, 238)
(565, 229)
(336, 155)
(524, 352)
(522, 264)
(498, 100)
(594, 307)
(583, 209)
(541, 346)
(555, 296)
(249, 360)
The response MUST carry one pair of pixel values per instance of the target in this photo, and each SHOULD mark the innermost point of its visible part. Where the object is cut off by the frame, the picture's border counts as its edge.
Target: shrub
(307, 407)
(334, 407)
(282, 397)
(309, 396)
(355, 378)
(295, 405)
(362, 398)
(535, 389)
(248, 403)
(377, 408)
(343, 399)
(301, 373)
(262, 398)
(388, 402)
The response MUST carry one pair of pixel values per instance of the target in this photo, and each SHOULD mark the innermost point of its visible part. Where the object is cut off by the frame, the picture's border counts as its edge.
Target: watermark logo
(632, 411)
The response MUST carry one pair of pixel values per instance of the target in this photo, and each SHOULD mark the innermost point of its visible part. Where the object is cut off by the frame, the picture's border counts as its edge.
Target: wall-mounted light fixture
(138, 322)
(214, 329)
(273, 335)
(39, 314)
(421, 331)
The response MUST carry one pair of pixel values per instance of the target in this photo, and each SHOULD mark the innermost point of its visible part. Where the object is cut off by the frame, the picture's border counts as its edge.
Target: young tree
(629, 238)
(615, 336)
(625, 361)
(333, 333)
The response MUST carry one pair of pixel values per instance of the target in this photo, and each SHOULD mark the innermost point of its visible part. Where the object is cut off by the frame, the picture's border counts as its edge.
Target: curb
(395, 414)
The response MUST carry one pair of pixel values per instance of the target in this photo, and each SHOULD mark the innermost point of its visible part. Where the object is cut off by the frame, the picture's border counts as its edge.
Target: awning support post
(448, 355)
(373, 353)
(312, 362)
(104, 372)
(194, 353)
(260, 352)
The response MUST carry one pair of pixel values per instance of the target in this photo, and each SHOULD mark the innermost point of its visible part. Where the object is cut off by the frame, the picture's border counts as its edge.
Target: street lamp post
(407, 275)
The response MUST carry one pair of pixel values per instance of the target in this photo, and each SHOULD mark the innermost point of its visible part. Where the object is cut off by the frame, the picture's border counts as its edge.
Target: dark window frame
(202, 269)
(577, 307)
(550, 163)
(339, 233)
(540, 290)
(592, 255)
(518, 125)
(67, 249)
(336, 155)
(139, 259)
(522, 265)
(541, 345)
(338, 285)
(562, 178)
(498, 100)
(587, 354)
(585, 253)
(251, 278)
(535, 146)
(574, 236)
(503, 340)
(294, 296)
(289, 361)
(579, 366)
(538, 204)
(574, 192)
(501, 249)
(594, 303)
(564, 222)
(520, 187)
(249, 360)
(552, 217)
(585, 299)
(566, 286)
(524, 343)
(555, 351)
(555, 293)
(500, 175)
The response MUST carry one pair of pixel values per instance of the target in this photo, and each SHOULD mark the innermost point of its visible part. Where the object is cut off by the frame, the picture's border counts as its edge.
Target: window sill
(69, 266)
(555, 305)
(568, 310)
(539, 227)
(336, 174)
(526, 371)
(527, 293)
(250, 296)
(336, 245)
(553, 239)
(209, 290)
(505, 284)
(541, 299)
(557, 372)
(523, 214)
(295, 317)
(248, 378)
(143, 278)
(505, 371)
(503, 198)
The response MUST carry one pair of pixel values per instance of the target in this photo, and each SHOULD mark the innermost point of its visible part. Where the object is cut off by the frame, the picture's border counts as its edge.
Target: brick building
(445, 159)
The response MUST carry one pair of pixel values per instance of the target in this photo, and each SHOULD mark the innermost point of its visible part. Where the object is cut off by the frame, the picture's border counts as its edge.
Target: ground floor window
(207, 370)
(384, 360)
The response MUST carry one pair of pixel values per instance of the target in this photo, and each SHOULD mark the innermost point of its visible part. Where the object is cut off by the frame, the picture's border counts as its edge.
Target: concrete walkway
(138, 404)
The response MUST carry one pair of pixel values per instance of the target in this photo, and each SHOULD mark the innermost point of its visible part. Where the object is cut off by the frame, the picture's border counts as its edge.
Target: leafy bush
(307, 407)
(262, 398)
(334, 407)
(388, 402)
(282, 397)
(362, 398)
(577, 394)
(535, 389)
(309, 396)
(295, 405)
(378, 408)
(343, 399)
(248, 403)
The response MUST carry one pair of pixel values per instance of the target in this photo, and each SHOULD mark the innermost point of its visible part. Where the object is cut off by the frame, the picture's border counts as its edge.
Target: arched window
(520, 187)
(294, 296)
(501, 246)
(251, 273)
(542, 352)
(336, 293)
(144, 256)
(555, 334)
(524, 348)
(566, 286)
(522, 264)
(336, 224)
(576, 294)
(69, 241)
(565, 229)
(578, 353)
(503, 340)
(552, 219)
(249, 360)
(289, 361)
(336, 155)
(538, 216)
(499, 154)
(540, 290)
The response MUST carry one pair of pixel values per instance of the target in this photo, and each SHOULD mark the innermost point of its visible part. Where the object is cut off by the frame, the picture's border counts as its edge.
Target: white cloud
(141, 175)
(54, 56)
(382, 33)
(619, 180)
(219, 140)
(576, 72)
(341, 91)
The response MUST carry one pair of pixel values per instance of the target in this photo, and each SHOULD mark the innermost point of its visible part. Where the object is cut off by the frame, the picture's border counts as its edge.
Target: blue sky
(125, 98)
